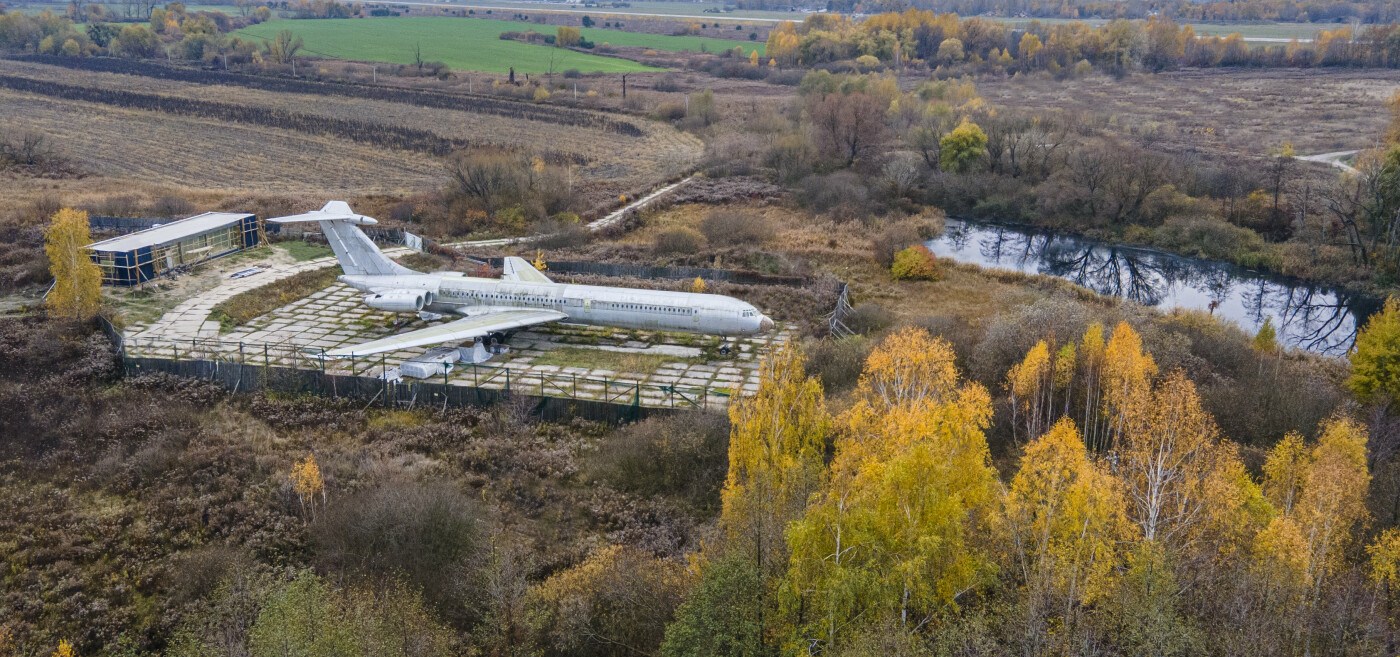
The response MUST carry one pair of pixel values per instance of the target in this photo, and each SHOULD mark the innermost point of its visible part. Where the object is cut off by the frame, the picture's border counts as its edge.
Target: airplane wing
(518, 270)
(462, 329)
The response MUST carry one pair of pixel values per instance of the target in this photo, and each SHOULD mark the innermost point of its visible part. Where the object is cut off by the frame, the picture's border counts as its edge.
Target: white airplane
(521, 297)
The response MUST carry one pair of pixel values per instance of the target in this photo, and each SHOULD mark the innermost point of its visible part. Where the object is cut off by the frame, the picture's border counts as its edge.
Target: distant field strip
(376, 134)
(649, 152)
(464, 102)
(460, 43)
(208, 154)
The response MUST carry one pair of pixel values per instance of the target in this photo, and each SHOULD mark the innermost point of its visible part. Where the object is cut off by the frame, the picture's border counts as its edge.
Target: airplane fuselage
(627, 308)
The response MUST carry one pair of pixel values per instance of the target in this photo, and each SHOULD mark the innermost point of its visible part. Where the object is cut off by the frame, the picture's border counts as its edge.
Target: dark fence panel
(246, 377)
(123, 224)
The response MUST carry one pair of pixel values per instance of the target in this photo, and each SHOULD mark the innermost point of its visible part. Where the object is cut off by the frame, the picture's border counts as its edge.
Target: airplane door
(588, 305)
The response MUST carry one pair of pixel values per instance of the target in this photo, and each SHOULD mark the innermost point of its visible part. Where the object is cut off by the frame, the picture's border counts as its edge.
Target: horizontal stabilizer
(333, 211)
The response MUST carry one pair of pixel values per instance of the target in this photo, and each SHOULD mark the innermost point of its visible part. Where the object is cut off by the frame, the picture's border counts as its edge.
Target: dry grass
(1245, 111)
(661, 152)
(159, 148)
(242, 308)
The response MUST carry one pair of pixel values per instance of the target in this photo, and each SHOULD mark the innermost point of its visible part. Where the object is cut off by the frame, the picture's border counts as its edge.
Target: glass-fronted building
(144, 255)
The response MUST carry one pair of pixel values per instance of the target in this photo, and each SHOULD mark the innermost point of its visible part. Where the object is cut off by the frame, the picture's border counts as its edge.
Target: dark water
(1312, 317)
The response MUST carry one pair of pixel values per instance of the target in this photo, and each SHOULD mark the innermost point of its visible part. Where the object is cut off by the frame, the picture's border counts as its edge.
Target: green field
(644, 8)
(461, 43)
(472, 43)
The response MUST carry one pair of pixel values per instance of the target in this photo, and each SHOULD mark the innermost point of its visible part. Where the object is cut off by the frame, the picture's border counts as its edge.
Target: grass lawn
(303, 251)
(622, 362)
(461, 43)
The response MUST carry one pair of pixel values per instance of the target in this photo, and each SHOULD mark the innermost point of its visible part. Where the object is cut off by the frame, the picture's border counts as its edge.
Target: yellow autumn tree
(307, 482)
(1333, 500)
(892, 536)
(776, 440)
(753, 57)
(1126, 379)
(1385, 567)
(65, 649)
(1091, 356)
(1029, 383)
(77, 291)
(1064, 519)
(908, 366)
(1165, 458)
(1284, 470)
(698, 285)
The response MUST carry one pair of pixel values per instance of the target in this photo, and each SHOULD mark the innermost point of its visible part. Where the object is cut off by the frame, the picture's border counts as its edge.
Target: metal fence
(246, 367)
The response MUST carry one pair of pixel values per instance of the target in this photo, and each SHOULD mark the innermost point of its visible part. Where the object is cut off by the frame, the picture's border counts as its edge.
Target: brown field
(1245, 111)
(630, 161)
(201, 153)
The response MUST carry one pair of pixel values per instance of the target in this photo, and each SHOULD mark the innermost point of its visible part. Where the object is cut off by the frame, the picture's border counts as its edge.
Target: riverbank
(1310, 316)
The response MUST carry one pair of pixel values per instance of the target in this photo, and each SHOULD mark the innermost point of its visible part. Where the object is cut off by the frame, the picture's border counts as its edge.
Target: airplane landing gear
(724, 347)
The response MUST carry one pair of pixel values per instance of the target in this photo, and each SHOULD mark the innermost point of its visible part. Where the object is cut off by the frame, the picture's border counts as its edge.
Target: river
(1307, 316)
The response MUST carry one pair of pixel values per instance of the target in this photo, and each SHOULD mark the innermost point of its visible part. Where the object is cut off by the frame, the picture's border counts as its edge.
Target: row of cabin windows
(528, 299)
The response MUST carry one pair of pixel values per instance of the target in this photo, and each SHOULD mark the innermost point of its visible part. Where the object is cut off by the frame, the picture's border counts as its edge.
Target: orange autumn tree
(893, 535)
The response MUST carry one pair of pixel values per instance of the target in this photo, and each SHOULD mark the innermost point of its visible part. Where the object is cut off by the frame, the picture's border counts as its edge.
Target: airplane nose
(765, 324)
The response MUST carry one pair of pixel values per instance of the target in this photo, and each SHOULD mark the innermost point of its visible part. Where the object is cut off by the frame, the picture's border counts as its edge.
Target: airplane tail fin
(357, 254)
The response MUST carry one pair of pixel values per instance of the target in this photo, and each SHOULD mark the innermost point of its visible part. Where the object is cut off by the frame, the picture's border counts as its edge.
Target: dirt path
(1334, 159)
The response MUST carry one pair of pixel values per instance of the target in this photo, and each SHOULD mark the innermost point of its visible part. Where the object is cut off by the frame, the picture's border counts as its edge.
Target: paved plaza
(677, 369)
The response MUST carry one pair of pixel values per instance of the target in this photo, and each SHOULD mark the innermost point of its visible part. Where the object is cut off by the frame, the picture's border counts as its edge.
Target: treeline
(170, 31)
(1304, 11)
(933, 40)
(467, 103)
(366, 132)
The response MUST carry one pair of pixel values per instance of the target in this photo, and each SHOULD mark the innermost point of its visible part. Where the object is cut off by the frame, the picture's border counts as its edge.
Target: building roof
(173, 231)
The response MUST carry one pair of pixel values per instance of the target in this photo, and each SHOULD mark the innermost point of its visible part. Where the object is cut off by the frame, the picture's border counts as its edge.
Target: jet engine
(398, 301)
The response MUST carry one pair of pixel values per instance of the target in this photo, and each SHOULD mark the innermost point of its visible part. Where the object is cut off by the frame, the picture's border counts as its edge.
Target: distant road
(1334, 159)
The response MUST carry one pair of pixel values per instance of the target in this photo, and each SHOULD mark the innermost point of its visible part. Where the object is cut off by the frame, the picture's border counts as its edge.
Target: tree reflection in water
(1306, 316)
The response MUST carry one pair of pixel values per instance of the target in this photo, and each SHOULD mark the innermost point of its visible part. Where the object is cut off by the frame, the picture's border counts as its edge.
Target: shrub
(679, 240)
(572, 74)
(868, 318)
(915, 263)
(668, 82)
(423, 532)
(727, 227)
(619, 596)
(837, 361)
(172, 207)
(685, 456)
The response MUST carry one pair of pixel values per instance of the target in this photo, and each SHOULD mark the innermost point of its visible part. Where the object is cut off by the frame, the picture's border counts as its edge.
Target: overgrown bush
(424, 532)
(725, 227)
(868, 318)
(838, 361)
(683, 456)
(679, 240)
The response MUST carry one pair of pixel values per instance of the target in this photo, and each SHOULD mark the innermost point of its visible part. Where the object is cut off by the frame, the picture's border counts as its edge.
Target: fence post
(444, 377)
(575, 377)
(176, 345)
(267, 361)
(507, 380)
